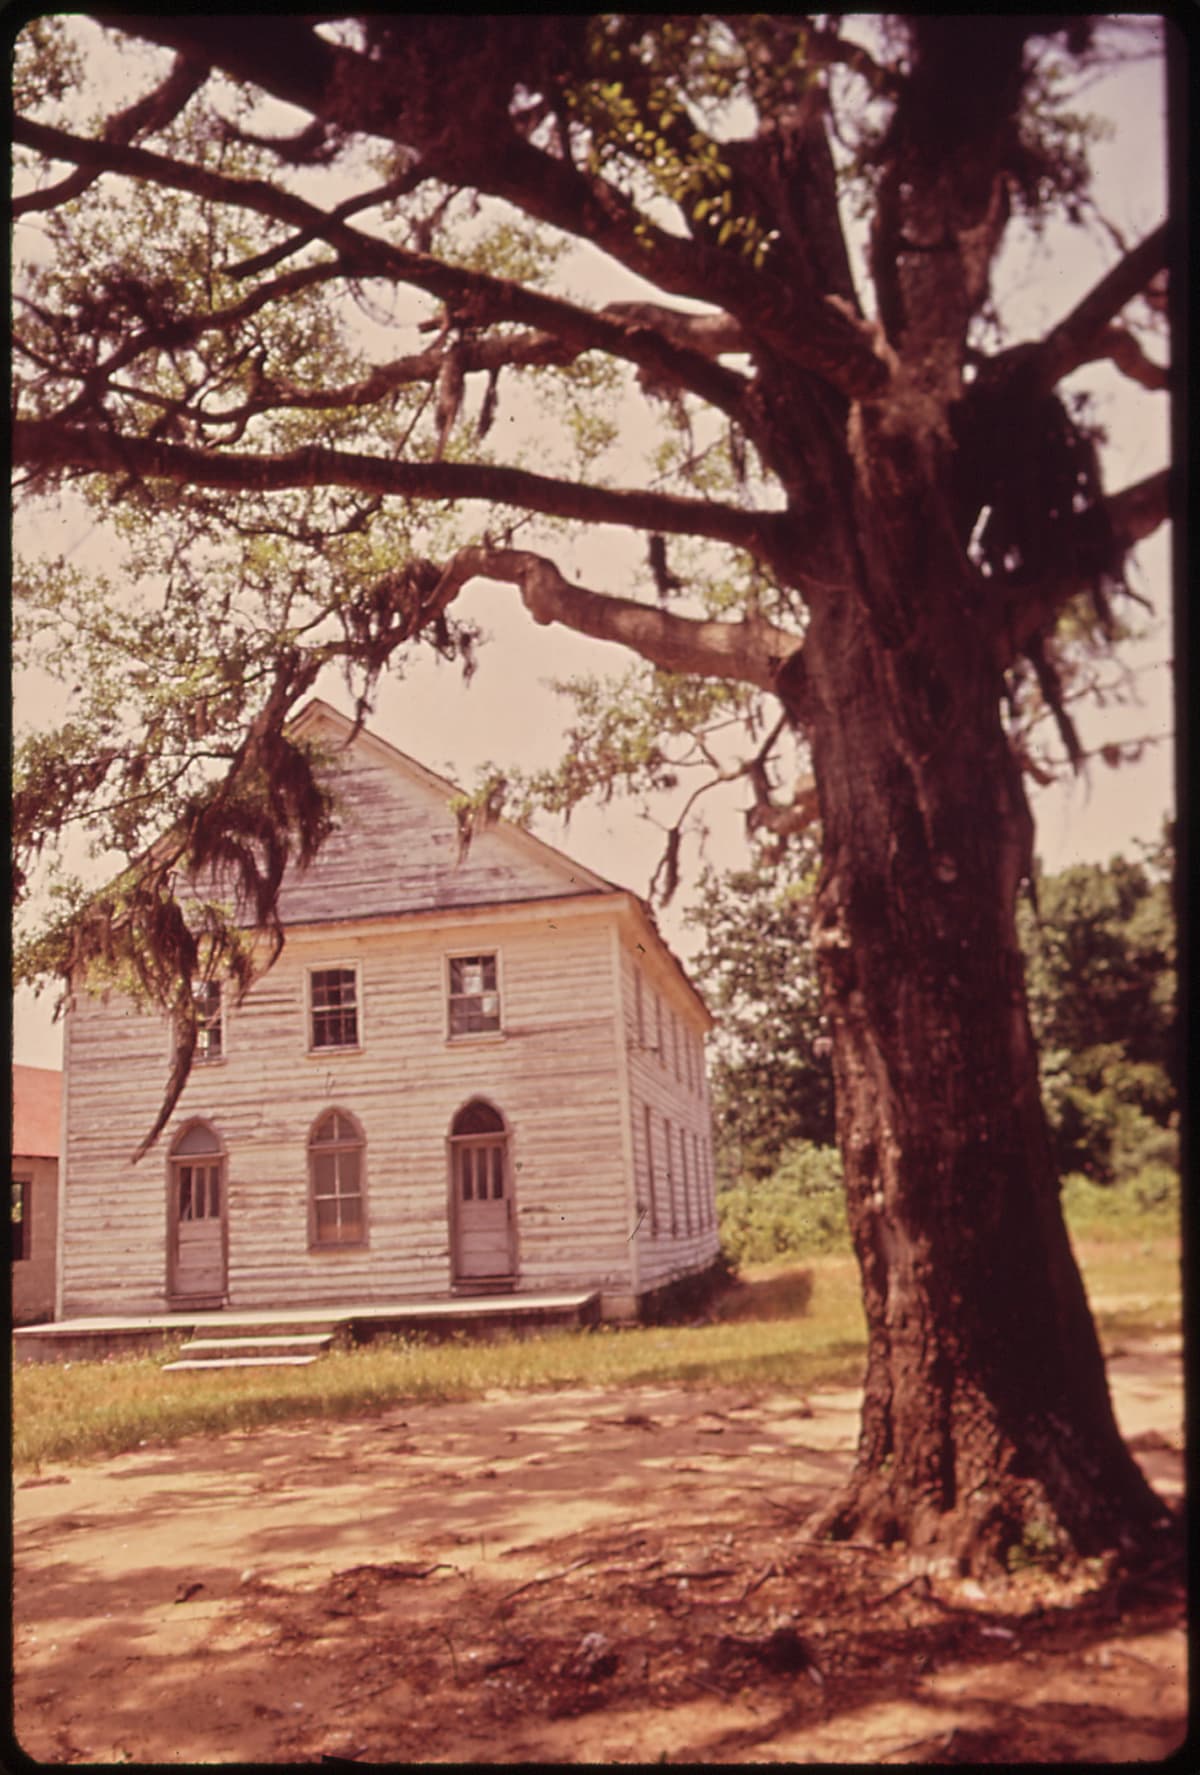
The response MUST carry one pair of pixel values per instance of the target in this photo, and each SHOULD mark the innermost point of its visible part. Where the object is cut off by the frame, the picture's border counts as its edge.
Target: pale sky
(508, 715)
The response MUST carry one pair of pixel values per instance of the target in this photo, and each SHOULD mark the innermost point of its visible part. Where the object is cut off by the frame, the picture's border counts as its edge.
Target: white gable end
(396, 847)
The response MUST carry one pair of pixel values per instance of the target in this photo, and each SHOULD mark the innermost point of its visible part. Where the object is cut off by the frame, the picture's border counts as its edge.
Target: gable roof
(396, 848)
(37, 1100)
(317, 714)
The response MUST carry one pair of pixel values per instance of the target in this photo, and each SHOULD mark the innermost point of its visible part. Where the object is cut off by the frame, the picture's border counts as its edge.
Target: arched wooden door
(482, 1218)
(196, 1244)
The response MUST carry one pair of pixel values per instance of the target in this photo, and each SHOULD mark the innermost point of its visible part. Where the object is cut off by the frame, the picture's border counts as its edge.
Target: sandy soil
(577, 1576)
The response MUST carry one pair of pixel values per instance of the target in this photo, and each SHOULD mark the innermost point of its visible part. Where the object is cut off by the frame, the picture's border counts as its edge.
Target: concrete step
(260, 1349)
(300, 1341)
(241, 1362)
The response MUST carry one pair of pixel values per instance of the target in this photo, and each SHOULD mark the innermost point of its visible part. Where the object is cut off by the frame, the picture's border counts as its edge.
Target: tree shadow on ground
(786, 1295)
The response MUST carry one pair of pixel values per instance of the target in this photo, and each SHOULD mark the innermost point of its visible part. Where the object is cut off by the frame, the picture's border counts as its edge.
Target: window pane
(214, 1191)
(185, 1193)
(335, 1175)
(334, 1008)
(474, 999)
(497, 1172)
(464, 1165)
(208, 1021)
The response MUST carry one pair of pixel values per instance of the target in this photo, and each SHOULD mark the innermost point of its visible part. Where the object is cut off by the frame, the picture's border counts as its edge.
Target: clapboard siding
(395, 845)
(392, 897)
(550, 1074)
(664, 1030)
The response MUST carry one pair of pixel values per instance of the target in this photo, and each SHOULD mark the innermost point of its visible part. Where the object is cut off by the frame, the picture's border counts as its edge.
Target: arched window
(478, 1117)
(196, 1161)
(336, 1165)
(477, 1136)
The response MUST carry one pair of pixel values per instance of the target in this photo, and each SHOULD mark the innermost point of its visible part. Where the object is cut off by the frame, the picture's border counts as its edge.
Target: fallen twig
(920, 1578)
(549, 1577)
(441, 1631)
(770, 1571)
(705, 1577)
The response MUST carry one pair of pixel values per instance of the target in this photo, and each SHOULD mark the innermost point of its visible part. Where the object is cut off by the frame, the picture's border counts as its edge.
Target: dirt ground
(579, 1576)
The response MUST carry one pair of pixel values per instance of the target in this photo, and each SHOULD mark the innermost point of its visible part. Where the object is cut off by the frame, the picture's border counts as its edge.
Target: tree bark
(987, 1419)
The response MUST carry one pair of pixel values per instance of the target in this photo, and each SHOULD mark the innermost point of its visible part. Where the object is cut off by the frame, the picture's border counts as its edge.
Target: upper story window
(333, 1008)
(210, 1025)
(474, 994)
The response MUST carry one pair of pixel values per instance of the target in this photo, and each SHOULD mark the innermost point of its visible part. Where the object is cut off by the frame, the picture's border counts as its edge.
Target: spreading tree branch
(476, 295)
(287, 59)
(1077, 338)
(153, 112)
(49, 446)
(749, 652)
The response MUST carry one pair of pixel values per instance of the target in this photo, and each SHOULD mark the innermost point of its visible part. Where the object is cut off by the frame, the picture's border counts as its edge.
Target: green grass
(798, 1325)
(802, 1329)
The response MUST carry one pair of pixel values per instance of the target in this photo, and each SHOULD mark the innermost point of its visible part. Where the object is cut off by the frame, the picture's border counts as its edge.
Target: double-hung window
(333, 1008)
(474, 994)
(210, 1024)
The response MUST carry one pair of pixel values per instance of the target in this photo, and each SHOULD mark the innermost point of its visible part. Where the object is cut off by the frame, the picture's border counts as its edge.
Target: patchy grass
(797, 1326)
(801, 1329)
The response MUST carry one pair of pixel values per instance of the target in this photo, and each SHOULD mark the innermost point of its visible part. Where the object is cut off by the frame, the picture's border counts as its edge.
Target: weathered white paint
(565, 1072)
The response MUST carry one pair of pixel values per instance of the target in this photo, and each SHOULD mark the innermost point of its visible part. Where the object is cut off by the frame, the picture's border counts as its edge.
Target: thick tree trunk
(986, 1418)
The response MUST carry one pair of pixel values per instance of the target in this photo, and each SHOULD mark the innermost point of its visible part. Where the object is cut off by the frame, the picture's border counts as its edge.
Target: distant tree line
(1100, 949)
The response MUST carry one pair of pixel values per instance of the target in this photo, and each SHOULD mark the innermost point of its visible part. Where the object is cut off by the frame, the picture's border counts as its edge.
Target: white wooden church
(464, 1074)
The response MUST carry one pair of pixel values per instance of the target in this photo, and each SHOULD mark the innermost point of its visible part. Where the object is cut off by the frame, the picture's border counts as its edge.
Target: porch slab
(94, 1337)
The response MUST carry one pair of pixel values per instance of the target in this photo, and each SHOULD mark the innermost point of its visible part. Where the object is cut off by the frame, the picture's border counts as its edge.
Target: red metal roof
(37, 1097)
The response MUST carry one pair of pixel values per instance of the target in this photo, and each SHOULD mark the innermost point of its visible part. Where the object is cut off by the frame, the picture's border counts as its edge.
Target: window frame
(652, 1192)
(459, 1037)
(671, 1197)
(314, 1148)
(205, 1022)
(320, 1051)
(24, 1221)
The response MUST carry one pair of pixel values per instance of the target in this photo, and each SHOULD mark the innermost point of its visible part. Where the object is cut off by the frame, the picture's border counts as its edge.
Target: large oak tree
(902, 504)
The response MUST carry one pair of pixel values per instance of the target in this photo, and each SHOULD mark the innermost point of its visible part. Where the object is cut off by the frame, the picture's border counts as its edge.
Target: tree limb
(153, 112)
(484, 297)
(48, 446)
(1120, 346)
(344, 87)
(1074, 340)
(488, 355)
(748, 652)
